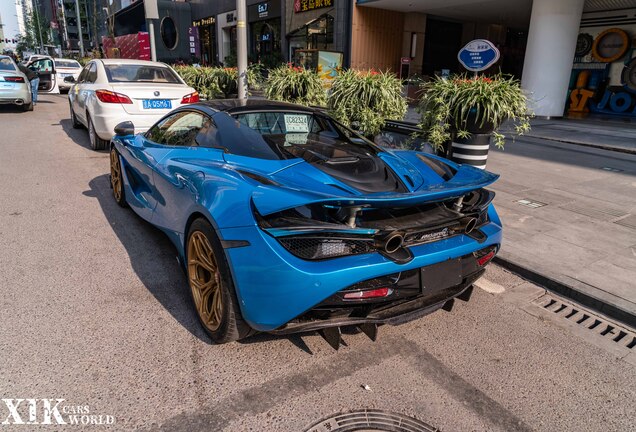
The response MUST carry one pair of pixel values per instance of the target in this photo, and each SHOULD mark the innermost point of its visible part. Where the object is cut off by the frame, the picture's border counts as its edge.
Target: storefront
(318, 25)
(226, 33)
(205, 31)
(264, 20)
(603, 79)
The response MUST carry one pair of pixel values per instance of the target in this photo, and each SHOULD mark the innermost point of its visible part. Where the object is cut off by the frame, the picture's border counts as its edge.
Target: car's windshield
(118, 73)
(287, 134)
(67, 64)
(6, 64)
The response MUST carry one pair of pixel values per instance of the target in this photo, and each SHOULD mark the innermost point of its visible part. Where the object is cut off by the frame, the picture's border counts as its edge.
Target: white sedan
(65, 68)
(110, 91)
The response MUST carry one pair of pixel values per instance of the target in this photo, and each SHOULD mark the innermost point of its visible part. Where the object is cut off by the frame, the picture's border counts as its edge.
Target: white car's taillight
(190, 98)
(107, 96)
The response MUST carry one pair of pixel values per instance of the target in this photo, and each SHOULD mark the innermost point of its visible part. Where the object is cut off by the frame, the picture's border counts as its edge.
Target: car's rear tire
(211, 285)
(96, 142)
(76, 124)
(27, 107)
(116, 178)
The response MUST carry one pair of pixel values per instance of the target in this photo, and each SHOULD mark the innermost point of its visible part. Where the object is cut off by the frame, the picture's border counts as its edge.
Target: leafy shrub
(461, 104)
(296, 85)
(367, 98)
(217, 82)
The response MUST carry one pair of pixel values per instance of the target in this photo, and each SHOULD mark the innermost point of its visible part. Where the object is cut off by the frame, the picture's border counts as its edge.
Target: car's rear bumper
(21, 93)
(105, 118)
(274, 287)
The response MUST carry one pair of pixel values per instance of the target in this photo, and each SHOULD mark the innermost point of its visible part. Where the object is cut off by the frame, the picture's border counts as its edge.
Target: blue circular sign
(478, 55)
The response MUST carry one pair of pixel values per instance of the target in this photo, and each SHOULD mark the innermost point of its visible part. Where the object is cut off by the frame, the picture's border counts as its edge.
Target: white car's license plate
(157, 104)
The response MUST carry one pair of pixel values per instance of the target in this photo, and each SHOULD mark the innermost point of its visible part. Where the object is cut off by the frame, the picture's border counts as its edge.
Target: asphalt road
(95, 310)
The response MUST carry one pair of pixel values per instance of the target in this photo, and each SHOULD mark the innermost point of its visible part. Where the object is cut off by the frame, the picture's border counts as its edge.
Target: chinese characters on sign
(478, 55)
(307, 5)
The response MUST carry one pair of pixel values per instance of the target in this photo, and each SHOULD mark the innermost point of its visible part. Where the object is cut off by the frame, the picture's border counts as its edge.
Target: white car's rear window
(67, 64)
(140, 73)
(6, 64)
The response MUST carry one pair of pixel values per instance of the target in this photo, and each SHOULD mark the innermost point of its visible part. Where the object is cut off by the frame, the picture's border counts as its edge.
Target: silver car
(14, 85)
(110, 91)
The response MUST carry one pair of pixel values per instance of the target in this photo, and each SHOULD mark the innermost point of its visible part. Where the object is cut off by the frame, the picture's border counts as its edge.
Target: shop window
(169, 33)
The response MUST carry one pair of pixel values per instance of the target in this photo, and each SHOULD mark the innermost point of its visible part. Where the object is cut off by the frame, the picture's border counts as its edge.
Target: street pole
(79, 28)
(241, 51)
(151, 35)
(37, 17)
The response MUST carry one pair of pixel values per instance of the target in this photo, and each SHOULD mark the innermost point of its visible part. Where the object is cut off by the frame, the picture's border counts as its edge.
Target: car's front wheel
(116, 182)
(211, 285)
(96, 142)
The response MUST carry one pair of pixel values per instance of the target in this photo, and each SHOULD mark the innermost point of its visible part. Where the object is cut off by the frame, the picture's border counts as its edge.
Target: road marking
(489, 286)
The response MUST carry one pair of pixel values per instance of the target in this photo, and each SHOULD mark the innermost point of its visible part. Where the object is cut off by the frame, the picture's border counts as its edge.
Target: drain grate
(530, 203)
(610, 169)
(606, 214)
(371, 420)
(586, 319)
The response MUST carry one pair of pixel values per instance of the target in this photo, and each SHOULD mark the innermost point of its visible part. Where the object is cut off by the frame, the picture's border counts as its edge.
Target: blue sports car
(287, 221)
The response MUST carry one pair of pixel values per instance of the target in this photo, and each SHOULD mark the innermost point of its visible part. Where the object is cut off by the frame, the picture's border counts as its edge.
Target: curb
(597, 146)
(608, 309)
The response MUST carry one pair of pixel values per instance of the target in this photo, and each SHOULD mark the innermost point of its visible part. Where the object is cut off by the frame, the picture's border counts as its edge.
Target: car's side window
(91, 76)
(82, 75)
(183, 129)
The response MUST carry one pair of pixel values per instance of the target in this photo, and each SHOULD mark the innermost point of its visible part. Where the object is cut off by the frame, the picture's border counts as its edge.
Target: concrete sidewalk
(599, 132)
(569, 214)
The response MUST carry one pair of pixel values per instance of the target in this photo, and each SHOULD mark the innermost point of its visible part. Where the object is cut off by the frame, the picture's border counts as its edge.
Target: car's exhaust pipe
(18, 102)
(390, 243)
(468, 224)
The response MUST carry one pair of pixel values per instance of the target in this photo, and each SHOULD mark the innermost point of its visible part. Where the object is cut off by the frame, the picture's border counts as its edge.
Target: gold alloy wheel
(203, 275)
(115, 175)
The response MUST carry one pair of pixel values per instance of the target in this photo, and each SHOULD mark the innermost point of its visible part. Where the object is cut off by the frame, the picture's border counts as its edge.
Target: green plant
(296, 85)
(368, 98)
(459, 104)
(216, 82)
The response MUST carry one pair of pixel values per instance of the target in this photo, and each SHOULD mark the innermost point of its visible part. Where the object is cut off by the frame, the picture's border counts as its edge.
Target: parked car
(66, 68)
(14, 85)
(109, 91)
(286, 221)
(45, 67)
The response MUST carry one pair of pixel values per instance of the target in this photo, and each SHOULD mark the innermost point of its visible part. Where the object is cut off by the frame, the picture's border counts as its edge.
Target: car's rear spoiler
(270, 199)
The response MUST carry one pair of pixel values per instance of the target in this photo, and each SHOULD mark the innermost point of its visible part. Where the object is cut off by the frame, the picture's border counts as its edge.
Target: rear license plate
(442, 275)
(157, 104)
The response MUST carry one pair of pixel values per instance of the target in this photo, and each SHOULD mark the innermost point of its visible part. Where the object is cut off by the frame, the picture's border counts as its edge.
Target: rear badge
(157, 93)
(431, 236)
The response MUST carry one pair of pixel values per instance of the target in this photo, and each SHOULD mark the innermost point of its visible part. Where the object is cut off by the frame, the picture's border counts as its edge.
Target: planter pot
(473, 150)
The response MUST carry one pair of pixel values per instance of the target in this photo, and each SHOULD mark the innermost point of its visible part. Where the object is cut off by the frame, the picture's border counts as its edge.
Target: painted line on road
(489, 286)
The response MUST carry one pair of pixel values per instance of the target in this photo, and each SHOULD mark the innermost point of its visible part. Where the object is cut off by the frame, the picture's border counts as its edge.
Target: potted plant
(366, 99)
(296, 85)
(467, 112)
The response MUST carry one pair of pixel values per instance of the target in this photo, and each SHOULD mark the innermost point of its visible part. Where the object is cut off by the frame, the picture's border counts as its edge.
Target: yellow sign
(203, 22)
(307, 5)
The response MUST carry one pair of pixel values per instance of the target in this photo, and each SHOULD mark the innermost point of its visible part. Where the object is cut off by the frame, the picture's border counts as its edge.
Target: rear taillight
(374, 293)
(190, 98)
(107, 96)
(14, 79)
(482, 261)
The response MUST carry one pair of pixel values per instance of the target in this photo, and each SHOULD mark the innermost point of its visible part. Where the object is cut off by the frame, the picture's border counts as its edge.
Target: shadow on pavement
(152, 256)
(9, 108)
(78, 136)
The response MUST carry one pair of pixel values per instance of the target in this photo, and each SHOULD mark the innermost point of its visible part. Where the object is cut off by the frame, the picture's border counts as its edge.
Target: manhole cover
(371, 421)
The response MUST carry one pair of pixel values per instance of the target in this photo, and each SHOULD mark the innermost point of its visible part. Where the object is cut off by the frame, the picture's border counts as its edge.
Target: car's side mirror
(69, 79)
(125, 128)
